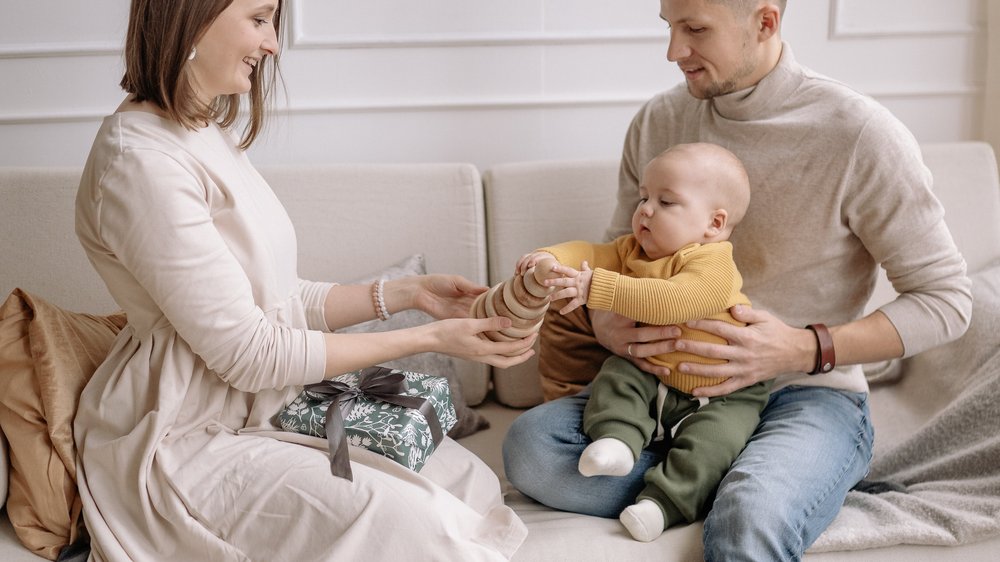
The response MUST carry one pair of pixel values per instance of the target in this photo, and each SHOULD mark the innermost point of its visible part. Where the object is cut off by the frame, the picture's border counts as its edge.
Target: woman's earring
(194, 53)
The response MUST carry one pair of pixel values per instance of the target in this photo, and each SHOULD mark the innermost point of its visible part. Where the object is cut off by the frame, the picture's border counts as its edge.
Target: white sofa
(354, 219)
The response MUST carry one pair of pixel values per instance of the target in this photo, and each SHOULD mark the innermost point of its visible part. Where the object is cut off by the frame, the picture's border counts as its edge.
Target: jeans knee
(521, 452)
(749, 526)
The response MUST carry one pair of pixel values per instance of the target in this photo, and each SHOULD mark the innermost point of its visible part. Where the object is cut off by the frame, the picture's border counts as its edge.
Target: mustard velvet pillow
(47, 355)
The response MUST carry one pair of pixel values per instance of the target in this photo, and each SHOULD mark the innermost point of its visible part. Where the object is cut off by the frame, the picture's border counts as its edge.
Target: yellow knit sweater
(699, 281)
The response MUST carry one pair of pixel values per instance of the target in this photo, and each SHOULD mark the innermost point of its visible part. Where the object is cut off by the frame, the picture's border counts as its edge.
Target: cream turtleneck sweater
(838, 188)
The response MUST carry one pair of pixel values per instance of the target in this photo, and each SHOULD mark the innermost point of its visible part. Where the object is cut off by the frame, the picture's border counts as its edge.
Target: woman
(179, 458)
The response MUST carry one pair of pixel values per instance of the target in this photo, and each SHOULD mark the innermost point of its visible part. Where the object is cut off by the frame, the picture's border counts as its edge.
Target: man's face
(715, 48)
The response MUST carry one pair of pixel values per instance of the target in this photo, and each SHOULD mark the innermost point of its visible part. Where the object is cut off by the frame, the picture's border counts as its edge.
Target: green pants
(707, 441)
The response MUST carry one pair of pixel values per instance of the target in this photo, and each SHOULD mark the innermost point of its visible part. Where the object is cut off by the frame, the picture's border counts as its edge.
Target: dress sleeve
(154, 216)
(313, 294)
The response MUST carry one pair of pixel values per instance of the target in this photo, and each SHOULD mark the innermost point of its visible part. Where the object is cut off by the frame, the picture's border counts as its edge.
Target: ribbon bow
(375, 383)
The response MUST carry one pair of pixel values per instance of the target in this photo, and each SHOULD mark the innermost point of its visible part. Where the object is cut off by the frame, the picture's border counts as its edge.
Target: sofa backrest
(351, 221)
(445, 211)
(966, 182)
(532, 204)
(41, 253)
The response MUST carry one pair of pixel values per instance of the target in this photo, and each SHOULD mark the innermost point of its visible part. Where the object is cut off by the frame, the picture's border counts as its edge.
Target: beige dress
(178, 457)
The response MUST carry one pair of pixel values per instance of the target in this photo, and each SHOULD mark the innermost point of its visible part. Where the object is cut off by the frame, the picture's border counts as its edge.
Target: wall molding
(468, 104)
(841, 31)
(368, 106)
(299, 38)
(51, 50)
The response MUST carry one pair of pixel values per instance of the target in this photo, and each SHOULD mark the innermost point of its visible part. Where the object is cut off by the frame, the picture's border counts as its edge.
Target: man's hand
(756, 352)
(621, 336)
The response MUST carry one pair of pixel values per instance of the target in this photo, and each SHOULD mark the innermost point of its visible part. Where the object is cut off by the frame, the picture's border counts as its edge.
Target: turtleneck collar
(763, 98)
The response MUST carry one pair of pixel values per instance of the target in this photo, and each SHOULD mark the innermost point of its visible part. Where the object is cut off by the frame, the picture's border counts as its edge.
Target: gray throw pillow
(469, 420)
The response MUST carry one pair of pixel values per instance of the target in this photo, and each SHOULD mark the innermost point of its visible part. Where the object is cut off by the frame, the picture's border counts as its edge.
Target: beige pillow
(469, 420)
(47, 355)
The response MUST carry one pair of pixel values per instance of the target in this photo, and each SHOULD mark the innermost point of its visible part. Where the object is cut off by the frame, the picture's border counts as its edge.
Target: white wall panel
(46, 26)
(479, 80)
(480, 135)
(313, 76)
(880, 18)
(46, 87)
(344, 20)
(923, 114)
(380, 23)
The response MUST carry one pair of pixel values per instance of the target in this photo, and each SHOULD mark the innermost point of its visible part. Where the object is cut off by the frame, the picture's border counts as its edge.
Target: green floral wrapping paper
(402, 434)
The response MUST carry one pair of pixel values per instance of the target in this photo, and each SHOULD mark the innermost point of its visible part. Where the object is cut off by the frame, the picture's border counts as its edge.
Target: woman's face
(232, 47)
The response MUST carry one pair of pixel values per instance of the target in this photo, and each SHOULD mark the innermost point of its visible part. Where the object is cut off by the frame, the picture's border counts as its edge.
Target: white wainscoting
(478, 80)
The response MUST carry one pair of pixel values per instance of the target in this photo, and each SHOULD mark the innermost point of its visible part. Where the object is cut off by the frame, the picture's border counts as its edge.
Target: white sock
(644, 520)
(606, 457)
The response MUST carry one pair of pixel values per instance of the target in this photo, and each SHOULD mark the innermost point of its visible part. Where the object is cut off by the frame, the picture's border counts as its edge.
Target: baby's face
(675, 207)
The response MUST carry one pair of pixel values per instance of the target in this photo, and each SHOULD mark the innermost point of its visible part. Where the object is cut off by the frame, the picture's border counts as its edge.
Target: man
(838, 188)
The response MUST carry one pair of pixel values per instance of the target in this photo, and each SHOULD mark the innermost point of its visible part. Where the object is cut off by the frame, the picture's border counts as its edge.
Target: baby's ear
(720, 219)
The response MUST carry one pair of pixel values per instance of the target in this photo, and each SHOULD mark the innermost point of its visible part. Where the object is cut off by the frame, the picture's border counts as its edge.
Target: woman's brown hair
(160, 36)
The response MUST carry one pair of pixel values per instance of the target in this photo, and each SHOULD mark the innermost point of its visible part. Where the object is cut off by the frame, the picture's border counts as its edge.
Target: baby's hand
(529, 260)
(575, 286)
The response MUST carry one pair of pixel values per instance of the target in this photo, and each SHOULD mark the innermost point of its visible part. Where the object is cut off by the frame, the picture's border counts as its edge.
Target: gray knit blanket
(935, 480)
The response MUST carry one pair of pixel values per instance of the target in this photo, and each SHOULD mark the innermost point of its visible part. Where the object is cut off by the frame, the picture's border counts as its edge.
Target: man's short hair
(746, 7)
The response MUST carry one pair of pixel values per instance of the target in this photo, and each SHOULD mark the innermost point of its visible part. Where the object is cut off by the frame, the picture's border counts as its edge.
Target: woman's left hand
(446, 296)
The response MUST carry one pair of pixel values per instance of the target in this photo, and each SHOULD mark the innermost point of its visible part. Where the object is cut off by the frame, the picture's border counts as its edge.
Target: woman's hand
(445, 296)
(620, 335)
(463, 337)
(756, 352)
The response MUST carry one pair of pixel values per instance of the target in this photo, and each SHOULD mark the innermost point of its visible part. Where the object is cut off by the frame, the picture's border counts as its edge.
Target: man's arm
(766, 347)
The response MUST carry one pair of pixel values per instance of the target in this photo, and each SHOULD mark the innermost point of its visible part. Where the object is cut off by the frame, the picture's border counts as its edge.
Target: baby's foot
(643, 520)
(606, 457)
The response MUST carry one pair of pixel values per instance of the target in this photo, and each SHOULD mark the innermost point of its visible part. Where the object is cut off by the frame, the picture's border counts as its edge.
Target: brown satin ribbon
(374, 383)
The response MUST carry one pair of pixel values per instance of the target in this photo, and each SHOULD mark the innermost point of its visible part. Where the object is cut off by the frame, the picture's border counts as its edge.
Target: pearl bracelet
(378, 300)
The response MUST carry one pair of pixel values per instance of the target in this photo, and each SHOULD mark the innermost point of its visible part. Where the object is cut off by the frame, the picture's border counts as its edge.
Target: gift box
(399, 414)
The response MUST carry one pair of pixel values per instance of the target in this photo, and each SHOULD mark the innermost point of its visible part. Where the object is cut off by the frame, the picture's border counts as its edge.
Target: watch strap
(826, 357)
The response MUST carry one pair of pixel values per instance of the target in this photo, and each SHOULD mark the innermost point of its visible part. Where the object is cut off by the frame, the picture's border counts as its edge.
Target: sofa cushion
(38, 204)
(534, 204)
(47, 355)
(350, 218)
(469, 421)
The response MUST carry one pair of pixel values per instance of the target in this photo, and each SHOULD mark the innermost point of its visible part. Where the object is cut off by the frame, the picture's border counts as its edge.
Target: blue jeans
(813, 444)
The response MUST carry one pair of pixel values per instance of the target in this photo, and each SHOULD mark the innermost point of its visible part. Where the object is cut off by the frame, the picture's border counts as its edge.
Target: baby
(676, 266)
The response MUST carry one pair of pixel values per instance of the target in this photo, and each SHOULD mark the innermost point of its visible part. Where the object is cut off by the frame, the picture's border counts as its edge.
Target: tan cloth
(569, 356)
(47, 355)
(179, 456)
